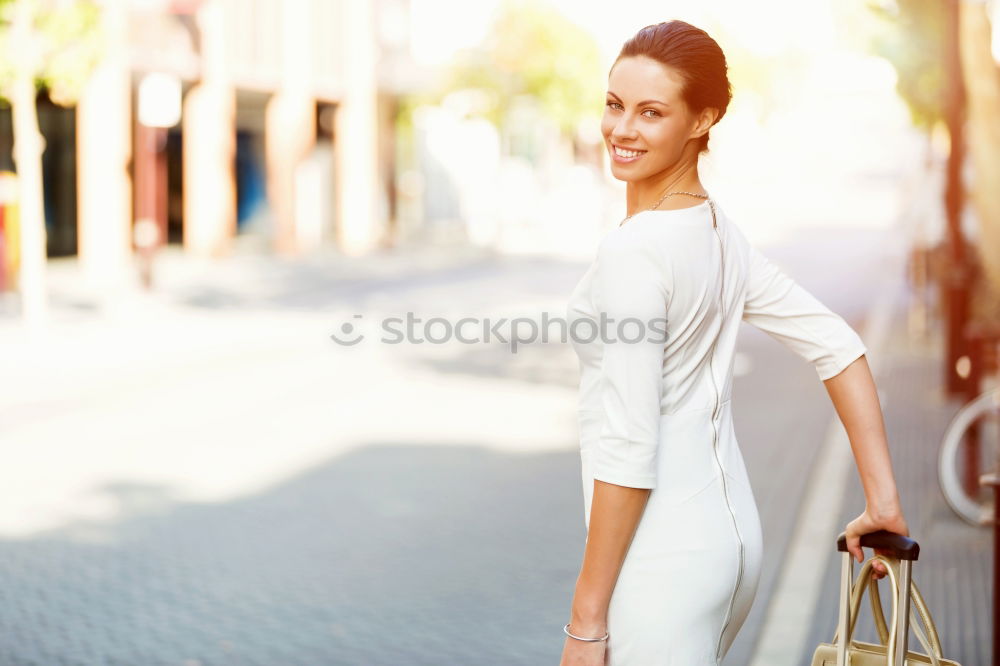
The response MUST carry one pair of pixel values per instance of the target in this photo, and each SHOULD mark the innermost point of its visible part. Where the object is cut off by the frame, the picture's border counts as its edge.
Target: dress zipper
(715, 432)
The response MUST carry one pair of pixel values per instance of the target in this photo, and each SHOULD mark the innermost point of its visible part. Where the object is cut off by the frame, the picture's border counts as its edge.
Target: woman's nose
(623, 131)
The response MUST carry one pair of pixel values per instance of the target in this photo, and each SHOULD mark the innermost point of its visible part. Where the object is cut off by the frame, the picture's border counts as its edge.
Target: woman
(673, 552)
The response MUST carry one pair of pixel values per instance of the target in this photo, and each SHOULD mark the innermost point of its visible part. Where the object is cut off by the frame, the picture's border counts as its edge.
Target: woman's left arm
(855, 398)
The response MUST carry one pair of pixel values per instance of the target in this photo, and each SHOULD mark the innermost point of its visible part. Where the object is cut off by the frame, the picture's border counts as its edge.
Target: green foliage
(531, 50)
(910, 35)
(67, 43)
(768, 77)
(535, 51)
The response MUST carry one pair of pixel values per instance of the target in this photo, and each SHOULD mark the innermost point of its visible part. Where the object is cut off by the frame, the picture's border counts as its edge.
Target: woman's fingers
(880, 567)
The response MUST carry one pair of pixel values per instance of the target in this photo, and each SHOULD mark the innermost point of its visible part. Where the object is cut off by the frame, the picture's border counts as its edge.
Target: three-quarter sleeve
(630, 295)
(779, 306)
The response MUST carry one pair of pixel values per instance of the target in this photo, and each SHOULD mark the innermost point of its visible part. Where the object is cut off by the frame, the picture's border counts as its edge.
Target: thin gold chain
(694, 194)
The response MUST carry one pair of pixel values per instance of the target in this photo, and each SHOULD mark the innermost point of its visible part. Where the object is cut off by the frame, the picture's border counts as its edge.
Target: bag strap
(919, 605)
(864, 581)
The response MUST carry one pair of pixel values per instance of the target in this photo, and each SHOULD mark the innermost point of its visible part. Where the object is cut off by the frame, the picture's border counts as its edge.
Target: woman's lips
(625, 160)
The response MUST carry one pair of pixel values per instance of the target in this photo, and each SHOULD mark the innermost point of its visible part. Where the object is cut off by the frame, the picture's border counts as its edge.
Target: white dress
(657, 413)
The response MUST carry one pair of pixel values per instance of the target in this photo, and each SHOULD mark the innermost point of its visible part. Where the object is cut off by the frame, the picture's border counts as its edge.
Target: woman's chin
(625, 174)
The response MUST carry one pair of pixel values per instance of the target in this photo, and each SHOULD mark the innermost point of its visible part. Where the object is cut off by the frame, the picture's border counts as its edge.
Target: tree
(982, 81)
(532, 51)
(910, 35)
(913, 39)
(922, 39)
(50, 44)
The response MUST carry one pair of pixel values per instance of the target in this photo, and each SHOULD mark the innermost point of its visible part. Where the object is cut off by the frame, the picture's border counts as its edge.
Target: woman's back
(655, 412)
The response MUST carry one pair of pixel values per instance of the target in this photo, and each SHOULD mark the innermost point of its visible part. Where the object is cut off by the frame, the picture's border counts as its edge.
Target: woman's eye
(614, 104)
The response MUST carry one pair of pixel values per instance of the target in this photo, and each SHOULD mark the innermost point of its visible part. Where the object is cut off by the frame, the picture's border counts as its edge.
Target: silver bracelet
(581, 638)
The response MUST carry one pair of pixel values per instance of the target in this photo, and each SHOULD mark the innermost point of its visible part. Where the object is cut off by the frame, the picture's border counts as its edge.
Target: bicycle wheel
(984, 411)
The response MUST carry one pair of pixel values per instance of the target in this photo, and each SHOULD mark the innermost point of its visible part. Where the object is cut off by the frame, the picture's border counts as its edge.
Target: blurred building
(210, 122)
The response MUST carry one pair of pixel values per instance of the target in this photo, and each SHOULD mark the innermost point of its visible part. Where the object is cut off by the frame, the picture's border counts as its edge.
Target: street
(203, 477)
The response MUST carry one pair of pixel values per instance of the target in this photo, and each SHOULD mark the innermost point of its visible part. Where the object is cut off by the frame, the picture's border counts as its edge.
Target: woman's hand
(871, 521)
(584, 653)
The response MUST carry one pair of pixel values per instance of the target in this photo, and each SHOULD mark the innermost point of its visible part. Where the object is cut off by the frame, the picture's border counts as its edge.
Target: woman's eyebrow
(646, 101)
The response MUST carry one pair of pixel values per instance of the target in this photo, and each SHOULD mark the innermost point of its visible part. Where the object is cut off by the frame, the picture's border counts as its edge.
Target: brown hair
(695, 56)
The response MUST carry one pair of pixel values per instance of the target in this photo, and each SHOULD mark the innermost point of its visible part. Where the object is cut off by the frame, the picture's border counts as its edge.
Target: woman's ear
(705, 121)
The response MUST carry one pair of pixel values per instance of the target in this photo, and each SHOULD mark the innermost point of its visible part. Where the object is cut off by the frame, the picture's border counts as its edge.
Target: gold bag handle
(918, 604)
(863, 581)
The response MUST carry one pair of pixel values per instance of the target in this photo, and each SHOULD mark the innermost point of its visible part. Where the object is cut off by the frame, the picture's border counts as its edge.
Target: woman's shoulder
(670, 235)
(661, 231)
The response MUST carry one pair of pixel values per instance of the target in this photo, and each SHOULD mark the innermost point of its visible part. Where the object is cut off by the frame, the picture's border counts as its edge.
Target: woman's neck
(642, 195)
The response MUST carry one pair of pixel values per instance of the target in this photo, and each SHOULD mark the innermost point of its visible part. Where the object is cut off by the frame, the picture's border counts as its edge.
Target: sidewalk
(954, 569)
(202, 477)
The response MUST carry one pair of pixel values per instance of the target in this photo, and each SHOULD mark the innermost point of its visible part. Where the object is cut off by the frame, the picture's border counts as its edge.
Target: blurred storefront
(281, 137)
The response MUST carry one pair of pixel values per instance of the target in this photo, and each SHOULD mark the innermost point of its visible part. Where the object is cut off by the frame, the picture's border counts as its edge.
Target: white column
(104, 186)
(356, 131)
(290, 124)
(209, 126)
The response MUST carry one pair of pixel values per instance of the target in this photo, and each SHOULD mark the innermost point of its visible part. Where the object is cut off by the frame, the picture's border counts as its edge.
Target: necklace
(693, 194)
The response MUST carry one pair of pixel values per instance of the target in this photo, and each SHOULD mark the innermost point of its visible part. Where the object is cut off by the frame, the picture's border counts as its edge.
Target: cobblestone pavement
(204, 479)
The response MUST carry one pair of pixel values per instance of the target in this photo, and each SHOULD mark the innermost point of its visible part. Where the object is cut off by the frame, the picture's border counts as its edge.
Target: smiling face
(645, 113)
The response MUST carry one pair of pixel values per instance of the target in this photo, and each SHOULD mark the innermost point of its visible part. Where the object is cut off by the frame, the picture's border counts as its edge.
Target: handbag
(844, 650)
